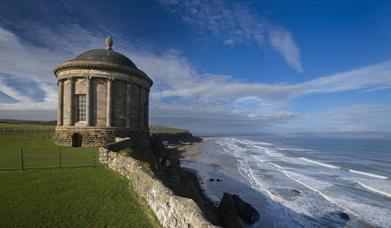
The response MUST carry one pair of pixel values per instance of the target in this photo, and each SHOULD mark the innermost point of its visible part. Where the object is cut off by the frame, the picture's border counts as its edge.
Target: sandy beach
(189, 152)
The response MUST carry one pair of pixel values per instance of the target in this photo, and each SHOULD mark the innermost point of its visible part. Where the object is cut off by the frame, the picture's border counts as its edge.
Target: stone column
(88, 102)
(108, 103)
(60, 103)
(71, 88)
(128, 103)
(140, 107)
(146, 109)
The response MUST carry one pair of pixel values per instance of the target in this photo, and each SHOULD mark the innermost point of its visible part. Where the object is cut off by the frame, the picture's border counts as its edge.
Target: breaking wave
(320, 163)
(386, 194)
(324, 188)
(368, 174)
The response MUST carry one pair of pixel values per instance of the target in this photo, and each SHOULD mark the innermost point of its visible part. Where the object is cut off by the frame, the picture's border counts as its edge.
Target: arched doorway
(77, 140)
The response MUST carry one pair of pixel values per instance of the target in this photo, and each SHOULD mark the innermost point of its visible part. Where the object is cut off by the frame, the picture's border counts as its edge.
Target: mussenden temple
(101, 95)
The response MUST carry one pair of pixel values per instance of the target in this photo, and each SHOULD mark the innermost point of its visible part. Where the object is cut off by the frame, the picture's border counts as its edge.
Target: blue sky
(218, 66)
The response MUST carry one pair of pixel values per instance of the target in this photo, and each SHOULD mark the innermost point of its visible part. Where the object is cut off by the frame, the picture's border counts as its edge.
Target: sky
(220, 66)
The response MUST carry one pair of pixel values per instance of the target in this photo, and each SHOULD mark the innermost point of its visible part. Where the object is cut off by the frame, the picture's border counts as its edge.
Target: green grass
(27, 126)
(68, 197)
(77, 197)
(41, 152)
(30, 127)
(164, 129)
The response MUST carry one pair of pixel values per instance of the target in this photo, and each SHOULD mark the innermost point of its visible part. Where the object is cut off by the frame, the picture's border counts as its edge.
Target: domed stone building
(101, 95)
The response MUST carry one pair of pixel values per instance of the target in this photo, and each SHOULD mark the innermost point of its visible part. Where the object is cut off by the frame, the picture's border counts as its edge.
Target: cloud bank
(181, 95)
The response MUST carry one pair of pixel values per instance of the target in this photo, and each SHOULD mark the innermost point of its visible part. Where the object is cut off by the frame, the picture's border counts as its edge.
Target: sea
(301, 181)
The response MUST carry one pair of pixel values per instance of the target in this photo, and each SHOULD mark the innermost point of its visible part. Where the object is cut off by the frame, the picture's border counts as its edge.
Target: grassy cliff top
(164, 129)
(26, 126)
(31, 125)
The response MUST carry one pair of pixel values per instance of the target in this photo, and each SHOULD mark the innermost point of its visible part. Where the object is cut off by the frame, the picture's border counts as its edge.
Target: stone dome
(103, 59)
(105, 55)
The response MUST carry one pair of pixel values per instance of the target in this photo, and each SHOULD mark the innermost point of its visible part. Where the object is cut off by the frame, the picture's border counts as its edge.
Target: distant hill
(155, 129)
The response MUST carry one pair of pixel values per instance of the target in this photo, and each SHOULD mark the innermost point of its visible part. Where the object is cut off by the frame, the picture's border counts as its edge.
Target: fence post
(107, 158)
(93, 159)
(59, 157)
(22, 158)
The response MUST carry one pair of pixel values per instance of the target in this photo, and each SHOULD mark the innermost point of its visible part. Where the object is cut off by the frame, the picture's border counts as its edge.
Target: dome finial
(109, 43)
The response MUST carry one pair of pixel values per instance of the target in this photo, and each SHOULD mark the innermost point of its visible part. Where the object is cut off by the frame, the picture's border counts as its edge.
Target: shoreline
(210, 210)
(206, 165)
(188, 153)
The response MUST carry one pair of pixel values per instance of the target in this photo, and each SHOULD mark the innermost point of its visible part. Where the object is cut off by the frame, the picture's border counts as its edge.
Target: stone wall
(94, 137)
(171, 210)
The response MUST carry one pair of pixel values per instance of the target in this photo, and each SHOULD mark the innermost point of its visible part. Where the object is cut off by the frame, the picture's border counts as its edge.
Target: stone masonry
(101, 95)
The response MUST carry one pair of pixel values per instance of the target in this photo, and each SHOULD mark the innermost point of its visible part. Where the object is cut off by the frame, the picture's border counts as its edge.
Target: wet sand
(190, 152)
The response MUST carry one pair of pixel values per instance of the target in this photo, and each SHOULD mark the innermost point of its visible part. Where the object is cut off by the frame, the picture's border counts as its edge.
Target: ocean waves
(321, 188)
(368, 174)
(320, 163)
(383, 193)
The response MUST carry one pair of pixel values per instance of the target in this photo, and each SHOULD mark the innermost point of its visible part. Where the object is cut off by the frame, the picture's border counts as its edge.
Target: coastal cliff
(171, 210)
(172, 135)
(155, 174)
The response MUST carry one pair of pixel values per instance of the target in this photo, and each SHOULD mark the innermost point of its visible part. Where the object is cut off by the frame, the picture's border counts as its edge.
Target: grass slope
(41, 152)
(30, 126)
(27, 126)
(164, 129)
(77, 197)
(68, 197)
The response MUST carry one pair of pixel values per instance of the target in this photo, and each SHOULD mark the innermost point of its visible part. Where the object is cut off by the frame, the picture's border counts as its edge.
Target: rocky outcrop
(245, 211)
(232, 208)
(227, 212)
(344, 215)
(175, 138)
(170, 210)
(294, 192)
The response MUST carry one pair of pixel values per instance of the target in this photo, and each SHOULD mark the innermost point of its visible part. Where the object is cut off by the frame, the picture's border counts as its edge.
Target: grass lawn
(72, 197)
(32, 127)
(27, 126)
(67, 197)
(40, 152)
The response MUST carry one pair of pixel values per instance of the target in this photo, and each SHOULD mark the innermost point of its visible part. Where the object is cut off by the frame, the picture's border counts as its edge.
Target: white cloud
(235, 24)
(353, 118)
(283, 42)
(27, 62)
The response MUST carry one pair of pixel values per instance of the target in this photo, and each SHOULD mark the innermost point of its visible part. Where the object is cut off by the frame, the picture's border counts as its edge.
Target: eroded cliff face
(171, 210)
(176, 138)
